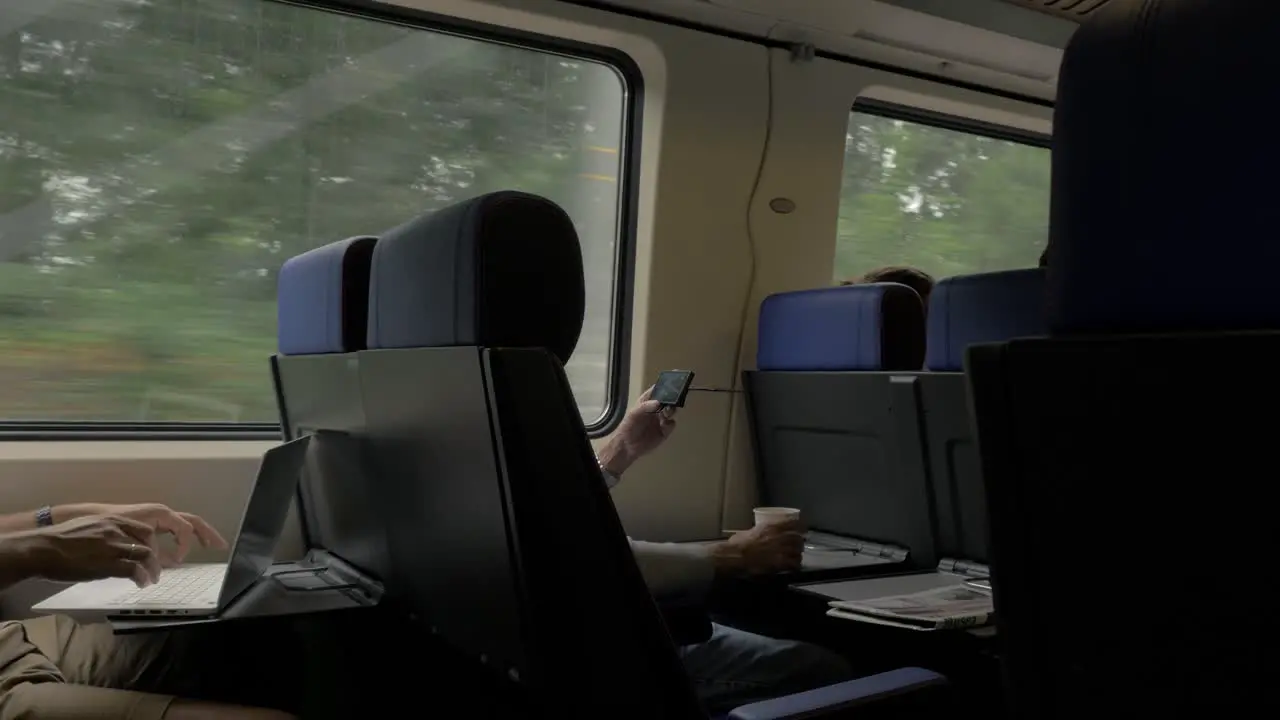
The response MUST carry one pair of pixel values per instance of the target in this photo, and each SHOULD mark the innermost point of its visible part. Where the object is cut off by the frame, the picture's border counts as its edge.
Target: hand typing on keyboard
(87, 548)
(186, 529)
(91, 541)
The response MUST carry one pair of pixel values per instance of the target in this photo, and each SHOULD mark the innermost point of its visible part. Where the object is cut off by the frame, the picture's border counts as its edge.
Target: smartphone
(672, 387)
(983, 586)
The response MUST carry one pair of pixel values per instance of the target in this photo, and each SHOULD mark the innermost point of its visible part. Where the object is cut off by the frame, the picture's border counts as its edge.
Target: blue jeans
(734, 667)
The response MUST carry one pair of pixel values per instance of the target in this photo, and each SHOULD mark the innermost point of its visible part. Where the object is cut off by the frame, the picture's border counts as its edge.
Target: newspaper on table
(946, 608)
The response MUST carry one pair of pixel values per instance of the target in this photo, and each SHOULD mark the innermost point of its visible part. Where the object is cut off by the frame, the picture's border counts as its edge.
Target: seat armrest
(905, 689)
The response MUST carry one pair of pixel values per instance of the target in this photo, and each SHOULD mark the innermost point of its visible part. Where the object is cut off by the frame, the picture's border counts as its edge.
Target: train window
(947, 201)
(159, 161)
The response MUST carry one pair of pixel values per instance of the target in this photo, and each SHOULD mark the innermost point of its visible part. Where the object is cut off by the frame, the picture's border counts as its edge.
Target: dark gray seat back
(834, 433)
(1126, 457)
(532, 573)
(965, 310)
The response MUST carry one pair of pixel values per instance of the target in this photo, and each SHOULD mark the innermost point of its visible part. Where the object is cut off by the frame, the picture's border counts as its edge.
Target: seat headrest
(499, 270)
(322, 299)
(853, 327)
(989, 307)
(1147, 235)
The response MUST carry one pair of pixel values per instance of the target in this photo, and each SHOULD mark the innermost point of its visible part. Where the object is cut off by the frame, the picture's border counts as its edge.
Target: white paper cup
(775, 515)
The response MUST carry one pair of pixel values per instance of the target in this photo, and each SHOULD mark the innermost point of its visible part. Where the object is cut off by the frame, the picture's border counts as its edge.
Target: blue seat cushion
(854, 327)
(323, 299)
(989, 307)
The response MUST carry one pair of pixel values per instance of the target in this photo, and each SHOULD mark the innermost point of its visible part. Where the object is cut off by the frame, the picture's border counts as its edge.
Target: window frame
(955, 123)
(624, 247)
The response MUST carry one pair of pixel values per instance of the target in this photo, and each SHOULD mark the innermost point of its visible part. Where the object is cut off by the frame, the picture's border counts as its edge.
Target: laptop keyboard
(197, 585)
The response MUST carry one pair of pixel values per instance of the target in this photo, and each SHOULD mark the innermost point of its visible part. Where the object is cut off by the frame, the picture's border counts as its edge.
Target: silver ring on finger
(133, 551)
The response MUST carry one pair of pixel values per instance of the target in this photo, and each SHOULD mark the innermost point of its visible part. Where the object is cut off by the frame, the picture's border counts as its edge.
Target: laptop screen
(264, 517)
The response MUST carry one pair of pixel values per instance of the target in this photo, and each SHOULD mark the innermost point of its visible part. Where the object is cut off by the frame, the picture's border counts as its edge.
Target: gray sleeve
(671, 570)
(674, 570)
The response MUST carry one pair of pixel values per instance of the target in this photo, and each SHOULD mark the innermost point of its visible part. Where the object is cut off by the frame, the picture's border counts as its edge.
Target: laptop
(204, 590)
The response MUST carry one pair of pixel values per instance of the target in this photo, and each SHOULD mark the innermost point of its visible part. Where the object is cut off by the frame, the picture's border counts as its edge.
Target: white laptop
(204, 590)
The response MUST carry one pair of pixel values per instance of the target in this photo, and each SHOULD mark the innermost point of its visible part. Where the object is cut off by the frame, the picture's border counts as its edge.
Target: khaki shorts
(50, 667)
(327, 666)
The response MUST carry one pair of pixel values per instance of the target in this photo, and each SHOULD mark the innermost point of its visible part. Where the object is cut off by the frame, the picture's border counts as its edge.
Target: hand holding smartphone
(671, 388)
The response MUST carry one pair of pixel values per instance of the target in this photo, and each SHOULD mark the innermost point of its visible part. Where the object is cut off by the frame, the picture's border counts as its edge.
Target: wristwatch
(44, 517)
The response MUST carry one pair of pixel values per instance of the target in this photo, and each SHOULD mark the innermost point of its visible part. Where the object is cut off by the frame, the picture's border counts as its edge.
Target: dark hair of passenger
(918, 280)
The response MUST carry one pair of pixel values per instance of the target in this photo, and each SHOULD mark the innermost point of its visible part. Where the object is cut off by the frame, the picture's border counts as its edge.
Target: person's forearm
(674, 570)
(18, 522)
(614, 457)
(16, 563)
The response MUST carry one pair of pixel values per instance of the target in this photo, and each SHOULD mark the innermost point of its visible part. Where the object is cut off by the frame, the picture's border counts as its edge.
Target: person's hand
(645, 427)
(186, 529)
(91, 548)
(764, 549)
